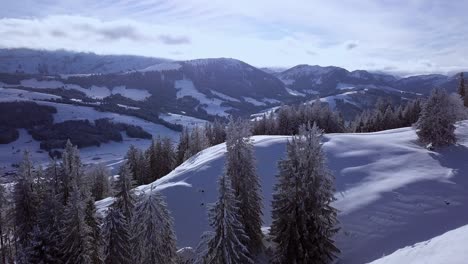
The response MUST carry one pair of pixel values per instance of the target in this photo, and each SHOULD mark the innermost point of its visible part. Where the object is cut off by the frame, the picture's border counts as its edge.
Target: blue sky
(401, 37)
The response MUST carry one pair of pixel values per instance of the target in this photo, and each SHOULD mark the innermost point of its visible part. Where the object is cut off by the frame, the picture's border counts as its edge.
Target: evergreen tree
(226, 245)
(303, 219)
(71, 170)
(116, 235)
(125, 200)
(25, 204)
(183, 146)
(49, 222)
(436, 125)
(161, 158)
(240, 168)
(138, 165)
(3, 224)
(153, 234)
(76, 233)
(215, 132)
(462, 90)
(94, 223)
(35, 252)
(100, 185)
(198, 142)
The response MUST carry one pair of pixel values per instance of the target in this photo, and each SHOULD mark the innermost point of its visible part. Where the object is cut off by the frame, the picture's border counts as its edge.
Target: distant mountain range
(206, 88)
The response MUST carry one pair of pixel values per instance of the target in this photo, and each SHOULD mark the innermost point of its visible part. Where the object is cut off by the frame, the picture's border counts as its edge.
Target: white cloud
(413, 36)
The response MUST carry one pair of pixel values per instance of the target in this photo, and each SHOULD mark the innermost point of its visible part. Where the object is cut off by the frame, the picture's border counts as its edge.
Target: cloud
(349, 34)
(58, 33)
(174, 40)
(351, 45)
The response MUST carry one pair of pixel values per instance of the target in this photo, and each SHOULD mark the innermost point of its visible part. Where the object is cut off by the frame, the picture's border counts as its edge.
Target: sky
(403, 37)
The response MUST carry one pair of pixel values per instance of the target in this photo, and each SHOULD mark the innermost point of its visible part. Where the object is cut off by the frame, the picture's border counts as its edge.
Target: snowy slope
(391, 192)
(12, 153)
(95, 92)
(447, 248)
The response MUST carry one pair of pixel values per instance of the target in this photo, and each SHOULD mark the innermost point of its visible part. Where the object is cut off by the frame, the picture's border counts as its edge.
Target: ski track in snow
(391, 192)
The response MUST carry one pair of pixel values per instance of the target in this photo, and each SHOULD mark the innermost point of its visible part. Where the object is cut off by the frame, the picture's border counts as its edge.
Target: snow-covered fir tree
(462, 90)
(25, 203)
(76, 233)
(125, 198)
(161, 158)
(71, 170)
(304, 221)
(215, 132)
(240, 168)
(139, 165)
(153, 234)
(100, 185)
(3, 224)
(36, 250)
(436, 125)
(183, 146)
(50, 217)
(94, 222)
(226, 245)
(116, 235)
(197, 142)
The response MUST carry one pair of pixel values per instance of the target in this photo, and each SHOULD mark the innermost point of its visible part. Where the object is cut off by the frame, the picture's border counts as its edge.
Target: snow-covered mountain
(67, 62)
(303, 80)
(391, 192)
(204, 88)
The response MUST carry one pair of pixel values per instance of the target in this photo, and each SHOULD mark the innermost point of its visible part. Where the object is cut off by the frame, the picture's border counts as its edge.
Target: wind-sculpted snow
(447, 248)
(390, 190)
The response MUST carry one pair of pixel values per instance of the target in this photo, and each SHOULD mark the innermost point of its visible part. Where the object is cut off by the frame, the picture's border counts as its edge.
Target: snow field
(391, 192)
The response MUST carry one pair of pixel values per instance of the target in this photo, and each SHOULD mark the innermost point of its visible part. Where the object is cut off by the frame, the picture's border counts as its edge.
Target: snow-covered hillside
(447, 248)
(391, 191)
(12, 153)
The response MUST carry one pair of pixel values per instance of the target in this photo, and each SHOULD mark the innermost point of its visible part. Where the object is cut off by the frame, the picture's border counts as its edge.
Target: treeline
(387, 116)
(289, 119)
(50, 216)
(163, 156)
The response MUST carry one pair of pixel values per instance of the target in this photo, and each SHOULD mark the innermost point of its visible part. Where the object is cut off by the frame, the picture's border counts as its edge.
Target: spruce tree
(227, 243)
(76, 232)
(198, 142)
(240, 168)
(161, 158)
(125, 199)
(138, 165)
(25, 204)
(50, 219)
(116, 235)
(95, 234)
(436, 125)
(3, 224)
(183, 146)
(100, 185)
(462, 90)
(71, 170)
(304, 221)
(153, 235)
